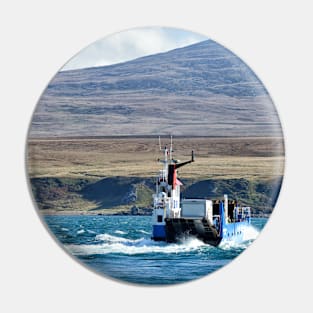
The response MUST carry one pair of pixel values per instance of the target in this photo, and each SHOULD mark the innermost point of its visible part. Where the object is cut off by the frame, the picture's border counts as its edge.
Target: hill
(109, 175)
(119, 194)
(199, 90)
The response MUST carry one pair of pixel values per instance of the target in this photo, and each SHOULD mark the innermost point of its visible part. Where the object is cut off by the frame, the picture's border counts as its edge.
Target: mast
(171, 148)
(167, 195)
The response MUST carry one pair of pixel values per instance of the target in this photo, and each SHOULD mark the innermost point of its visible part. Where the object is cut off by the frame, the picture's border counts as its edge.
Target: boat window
(160, 218)
(216, 209)
(231, 208)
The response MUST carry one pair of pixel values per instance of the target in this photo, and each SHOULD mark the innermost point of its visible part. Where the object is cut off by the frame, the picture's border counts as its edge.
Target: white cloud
(132, 44)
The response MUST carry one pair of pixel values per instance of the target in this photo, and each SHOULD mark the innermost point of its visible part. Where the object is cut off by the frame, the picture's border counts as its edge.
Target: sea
(120, 248)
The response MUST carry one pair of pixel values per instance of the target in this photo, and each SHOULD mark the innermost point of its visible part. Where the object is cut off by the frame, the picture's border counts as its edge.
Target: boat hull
(177, 229)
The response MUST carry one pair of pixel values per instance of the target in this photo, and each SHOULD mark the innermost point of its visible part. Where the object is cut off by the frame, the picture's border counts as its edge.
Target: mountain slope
(199, 90)
(73, 195)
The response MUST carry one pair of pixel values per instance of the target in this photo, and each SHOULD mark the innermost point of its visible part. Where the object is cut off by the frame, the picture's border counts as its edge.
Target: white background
(274, 38)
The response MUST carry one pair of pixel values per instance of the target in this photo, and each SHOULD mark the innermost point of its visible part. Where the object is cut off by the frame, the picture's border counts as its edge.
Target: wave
(120, 232)
(107, 243)
(144, 232)
(113, 244)
(251, 233)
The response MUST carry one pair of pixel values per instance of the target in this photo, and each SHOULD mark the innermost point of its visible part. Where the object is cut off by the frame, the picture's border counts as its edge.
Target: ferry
(212, 221)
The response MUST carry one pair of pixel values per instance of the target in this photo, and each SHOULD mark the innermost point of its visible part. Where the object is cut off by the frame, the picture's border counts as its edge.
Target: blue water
(120, 247)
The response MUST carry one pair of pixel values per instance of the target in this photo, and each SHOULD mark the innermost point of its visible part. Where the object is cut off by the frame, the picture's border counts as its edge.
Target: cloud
(132, 44)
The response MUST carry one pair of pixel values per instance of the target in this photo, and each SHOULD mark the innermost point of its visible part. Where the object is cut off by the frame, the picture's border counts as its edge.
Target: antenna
(171, 147)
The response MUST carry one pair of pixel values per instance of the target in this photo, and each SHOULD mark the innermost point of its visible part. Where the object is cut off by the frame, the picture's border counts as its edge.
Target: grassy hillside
(199, 90)
(121, 193)
(222, 158)
(108, 175)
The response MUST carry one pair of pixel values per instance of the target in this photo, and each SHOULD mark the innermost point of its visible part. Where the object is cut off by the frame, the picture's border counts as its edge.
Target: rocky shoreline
(144, 212)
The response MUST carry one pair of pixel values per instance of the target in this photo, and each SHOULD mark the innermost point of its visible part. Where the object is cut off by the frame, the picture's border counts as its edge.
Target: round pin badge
(155, 156)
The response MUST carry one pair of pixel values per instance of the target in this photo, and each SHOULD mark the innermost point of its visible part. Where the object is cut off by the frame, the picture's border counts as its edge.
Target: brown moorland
(246, 157)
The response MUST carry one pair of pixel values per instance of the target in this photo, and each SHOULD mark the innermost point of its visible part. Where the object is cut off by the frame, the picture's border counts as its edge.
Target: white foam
(112, 239)
(120, 232)
(251, 233)
(114, 244)
(143, 232)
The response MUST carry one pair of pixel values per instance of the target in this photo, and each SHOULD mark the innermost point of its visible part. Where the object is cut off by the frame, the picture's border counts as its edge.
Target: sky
(132, 44)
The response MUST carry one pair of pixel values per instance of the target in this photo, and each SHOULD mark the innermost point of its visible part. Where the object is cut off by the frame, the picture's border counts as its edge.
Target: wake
(107, 243)
(113, 244)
